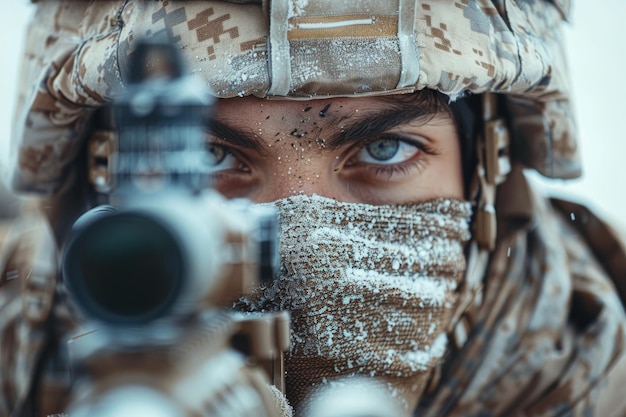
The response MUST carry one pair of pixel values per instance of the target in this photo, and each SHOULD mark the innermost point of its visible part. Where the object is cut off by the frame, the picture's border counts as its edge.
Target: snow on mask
(371, 290)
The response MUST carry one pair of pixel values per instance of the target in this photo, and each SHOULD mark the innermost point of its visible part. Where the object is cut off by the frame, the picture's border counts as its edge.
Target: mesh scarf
(371, 290)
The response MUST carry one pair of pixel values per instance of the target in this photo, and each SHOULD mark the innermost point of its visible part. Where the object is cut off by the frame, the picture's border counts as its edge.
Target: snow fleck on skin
(371, 289)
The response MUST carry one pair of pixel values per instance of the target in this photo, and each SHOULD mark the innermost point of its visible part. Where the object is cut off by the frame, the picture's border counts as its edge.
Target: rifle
(153, 270)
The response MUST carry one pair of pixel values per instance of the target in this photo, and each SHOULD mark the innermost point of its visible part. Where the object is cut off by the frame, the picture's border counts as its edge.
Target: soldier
(392, 137)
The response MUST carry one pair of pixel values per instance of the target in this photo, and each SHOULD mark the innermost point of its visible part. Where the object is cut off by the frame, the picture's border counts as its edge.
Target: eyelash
(404, 168)
(229, 151)
(427, 148)
(379, 170)
(390, 171)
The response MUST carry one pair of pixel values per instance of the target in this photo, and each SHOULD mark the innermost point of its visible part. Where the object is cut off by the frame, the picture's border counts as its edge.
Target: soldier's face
(366, 150)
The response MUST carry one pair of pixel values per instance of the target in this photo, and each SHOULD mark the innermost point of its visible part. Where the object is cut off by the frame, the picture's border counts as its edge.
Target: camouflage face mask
(371, 290)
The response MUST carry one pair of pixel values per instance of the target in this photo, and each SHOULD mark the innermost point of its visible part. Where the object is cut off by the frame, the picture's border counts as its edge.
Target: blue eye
(387, 151)
(220, 157)
(383, 150)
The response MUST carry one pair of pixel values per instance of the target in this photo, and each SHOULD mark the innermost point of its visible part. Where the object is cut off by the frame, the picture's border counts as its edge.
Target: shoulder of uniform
(606, 239)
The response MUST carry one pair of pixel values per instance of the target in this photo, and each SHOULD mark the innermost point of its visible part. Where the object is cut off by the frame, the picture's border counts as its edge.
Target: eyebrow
(234, 136)
(373, 125)
(364, 127)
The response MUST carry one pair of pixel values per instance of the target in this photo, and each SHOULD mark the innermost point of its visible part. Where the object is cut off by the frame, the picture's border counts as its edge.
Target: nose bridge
(295, 179)
(298, 162)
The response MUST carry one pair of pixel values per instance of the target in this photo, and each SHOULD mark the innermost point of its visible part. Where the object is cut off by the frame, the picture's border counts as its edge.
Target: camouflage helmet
(77, 56)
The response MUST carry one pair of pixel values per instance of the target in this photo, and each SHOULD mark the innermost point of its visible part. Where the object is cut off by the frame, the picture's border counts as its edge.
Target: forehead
(323, 110)
(328, 124)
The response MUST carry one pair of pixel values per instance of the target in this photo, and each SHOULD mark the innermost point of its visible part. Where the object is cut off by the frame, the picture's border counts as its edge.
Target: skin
(361, 150)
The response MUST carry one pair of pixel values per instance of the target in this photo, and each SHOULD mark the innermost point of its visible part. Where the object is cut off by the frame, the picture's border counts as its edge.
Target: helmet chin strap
(492, 168)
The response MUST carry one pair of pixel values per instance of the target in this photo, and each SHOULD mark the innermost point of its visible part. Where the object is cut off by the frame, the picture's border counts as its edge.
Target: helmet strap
(492, 167)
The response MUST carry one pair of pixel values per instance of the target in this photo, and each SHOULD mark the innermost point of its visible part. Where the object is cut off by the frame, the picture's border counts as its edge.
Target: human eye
(231, 174)
(389, 156)
(221, 158)
(387, 151)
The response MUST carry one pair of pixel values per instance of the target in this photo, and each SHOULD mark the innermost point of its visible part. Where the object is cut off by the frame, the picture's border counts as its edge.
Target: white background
(596, 43)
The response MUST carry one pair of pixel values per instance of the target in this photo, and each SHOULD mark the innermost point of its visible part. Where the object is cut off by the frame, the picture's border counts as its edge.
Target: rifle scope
(168, 244)
(169, 256)
(125, 267)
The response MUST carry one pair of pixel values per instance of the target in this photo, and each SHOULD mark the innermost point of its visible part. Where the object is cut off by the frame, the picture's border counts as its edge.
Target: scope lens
(127, 268)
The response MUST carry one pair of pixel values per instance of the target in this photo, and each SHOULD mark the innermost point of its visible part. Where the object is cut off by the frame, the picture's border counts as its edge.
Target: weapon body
(152, 270)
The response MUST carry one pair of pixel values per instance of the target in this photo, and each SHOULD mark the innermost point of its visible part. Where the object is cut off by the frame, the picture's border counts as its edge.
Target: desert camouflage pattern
(547, 340)
(77, 55)
(32, 319)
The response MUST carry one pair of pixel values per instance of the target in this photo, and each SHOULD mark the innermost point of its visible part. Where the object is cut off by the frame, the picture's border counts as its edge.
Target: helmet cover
(77, 53)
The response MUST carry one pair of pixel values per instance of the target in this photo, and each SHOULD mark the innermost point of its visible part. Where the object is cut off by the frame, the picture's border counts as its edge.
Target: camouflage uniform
(545, 327)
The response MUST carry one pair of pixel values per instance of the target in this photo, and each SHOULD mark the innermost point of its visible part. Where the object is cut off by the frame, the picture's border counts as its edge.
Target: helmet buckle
(497, 163)
(493, 167)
